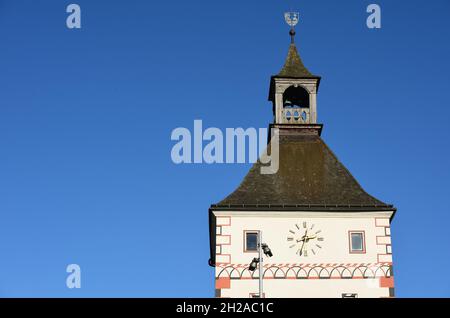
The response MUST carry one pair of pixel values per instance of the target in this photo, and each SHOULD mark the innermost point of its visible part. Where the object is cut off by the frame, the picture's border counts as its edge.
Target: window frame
(350, 248)
(245, 241)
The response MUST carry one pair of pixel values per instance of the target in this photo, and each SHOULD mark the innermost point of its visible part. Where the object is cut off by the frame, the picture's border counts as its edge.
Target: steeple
(293, 91)
(293, 66)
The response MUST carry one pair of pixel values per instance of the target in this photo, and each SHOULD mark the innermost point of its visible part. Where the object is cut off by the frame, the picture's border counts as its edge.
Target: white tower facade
(329, 238)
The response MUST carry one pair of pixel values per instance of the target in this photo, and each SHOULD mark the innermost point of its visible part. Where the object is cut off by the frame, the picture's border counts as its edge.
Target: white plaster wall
(334, 228)
(307, 288)
(275, 228)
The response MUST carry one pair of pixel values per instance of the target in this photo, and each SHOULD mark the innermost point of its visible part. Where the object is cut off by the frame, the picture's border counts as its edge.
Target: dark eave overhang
(303, 207)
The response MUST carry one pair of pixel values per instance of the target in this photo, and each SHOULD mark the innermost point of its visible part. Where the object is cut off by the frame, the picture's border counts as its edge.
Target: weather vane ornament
(291, 19)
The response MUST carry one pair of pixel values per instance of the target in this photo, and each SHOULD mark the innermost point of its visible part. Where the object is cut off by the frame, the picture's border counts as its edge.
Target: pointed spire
(293, 66)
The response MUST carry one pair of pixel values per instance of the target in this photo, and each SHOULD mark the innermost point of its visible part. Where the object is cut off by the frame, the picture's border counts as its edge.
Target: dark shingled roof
(293, 66)
(309, 177)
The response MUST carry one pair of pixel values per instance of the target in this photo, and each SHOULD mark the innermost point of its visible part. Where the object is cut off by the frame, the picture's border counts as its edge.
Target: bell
(287, 103)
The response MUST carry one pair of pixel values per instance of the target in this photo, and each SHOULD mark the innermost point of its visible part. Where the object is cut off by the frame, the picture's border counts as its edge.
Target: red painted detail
(223, 282)
(387, 282)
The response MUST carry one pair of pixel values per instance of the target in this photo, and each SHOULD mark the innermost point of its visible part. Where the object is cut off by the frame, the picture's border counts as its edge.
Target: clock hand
(303, 237)
(301, 249)
(304, 240)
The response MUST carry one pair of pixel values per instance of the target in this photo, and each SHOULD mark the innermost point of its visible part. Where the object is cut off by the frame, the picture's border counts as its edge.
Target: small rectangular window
(357, 243)
(251, 241)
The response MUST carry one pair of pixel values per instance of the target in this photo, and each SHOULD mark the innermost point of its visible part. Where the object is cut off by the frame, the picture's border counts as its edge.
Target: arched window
(296, 97)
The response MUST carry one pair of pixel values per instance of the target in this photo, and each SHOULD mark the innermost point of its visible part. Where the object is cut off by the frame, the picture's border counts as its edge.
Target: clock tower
(329, 238)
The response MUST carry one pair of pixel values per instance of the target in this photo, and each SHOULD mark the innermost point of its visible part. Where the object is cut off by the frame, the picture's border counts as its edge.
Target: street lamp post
(260, 264)
(262, 249)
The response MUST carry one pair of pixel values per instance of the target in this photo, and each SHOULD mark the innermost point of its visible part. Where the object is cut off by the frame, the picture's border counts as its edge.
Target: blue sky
(86, 115)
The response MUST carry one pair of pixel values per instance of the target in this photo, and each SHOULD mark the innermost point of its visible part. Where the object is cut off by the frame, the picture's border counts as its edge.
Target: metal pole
(260, 264)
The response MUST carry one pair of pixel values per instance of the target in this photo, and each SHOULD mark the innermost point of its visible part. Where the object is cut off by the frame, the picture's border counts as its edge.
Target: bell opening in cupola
(296, 97)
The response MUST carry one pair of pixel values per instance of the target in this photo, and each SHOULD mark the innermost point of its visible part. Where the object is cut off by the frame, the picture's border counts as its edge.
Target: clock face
(305, 239)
